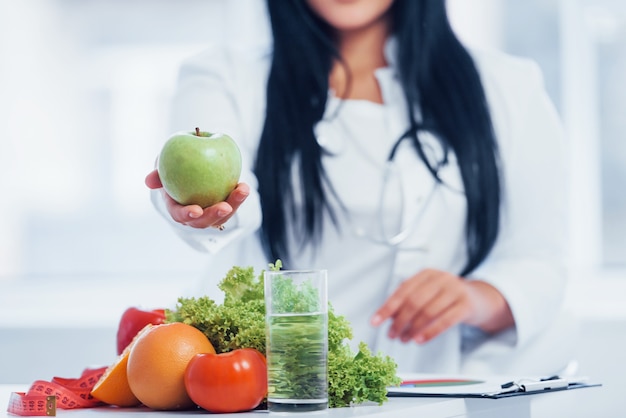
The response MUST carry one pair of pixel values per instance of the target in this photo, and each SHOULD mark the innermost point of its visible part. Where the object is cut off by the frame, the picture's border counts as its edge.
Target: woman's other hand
(193, 215)
(432, 301)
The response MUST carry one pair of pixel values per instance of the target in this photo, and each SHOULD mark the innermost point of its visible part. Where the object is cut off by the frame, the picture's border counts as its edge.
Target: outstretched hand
(432, 301)
(194, 215)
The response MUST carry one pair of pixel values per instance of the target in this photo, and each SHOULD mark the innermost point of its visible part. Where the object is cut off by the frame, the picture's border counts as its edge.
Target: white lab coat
(223, 90)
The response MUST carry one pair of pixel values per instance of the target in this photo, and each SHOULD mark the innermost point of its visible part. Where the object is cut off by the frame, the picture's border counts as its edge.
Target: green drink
(297, 340)
(297, 362)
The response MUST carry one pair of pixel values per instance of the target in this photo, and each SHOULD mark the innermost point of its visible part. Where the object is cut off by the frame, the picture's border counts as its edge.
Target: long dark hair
(439, 78)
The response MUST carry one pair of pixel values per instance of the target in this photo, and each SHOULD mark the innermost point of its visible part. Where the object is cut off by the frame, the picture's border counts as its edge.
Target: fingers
(153, 180)
(182, 214)
(194, 215)
(212, 216)
(238, 196)
(449, 318)
(424, 306)
(450, 299)
(405, 304)
(409, 288)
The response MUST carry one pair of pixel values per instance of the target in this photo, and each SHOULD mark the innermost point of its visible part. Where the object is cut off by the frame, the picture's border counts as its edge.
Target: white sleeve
(527, 264)
(208, 96)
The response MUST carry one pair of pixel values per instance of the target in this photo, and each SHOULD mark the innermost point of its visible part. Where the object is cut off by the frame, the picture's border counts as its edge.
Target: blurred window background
(85, 88)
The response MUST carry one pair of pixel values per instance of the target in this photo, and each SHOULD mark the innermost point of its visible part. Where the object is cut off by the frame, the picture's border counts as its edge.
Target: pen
(543, 385)
(547, 383)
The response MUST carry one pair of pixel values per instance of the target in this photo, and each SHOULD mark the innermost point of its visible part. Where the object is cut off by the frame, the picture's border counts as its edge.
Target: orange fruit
(113, 388)
(157, 362)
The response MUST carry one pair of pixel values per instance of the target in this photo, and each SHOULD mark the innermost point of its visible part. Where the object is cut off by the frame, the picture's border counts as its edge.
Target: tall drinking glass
(296, 304)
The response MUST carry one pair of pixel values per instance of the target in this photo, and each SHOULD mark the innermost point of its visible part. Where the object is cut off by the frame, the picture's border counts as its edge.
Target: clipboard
(494, 387)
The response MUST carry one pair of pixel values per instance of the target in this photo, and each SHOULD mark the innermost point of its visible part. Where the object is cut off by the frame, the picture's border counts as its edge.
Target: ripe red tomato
(229, 382)
(134, 320)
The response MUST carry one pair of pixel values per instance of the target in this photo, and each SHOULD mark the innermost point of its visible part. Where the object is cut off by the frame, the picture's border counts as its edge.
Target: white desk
(535, 406)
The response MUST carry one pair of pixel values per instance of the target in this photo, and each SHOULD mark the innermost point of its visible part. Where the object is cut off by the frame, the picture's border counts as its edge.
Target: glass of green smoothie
(296, 304)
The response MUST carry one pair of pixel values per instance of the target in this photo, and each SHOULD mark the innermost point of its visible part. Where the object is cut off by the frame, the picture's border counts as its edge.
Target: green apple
(200, 168)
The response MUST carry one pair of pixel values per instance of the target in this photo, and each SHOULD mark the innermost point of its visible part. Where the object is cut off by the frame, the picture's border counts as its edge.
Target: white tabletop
(395, 407)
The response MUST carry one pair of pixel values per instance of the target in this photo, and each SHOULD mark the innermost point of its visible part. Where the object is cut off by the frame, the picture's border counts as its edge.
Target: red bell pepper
(134, 320)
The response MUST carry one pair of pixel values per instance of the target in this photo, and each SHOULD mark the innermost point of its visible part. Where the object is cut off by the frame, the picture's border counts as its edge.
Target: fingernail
(222, 212)
(377, 320)
(419, 339)
(194, 215)
(241, 198)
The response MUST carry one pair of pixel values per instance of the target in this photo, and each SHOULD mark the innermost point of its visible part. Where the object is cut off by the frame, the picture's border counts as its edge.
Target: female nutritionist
(426, 177)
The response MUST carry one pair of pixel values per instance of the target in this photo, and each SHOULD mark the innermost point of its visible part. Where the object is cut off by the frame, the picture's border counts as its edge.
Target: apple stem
(197, 131)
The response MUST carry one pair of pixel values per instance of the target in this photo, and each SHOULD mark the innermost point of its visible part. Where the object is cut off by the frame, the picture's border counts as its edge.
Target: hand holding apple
(194, 215)
(199, 168)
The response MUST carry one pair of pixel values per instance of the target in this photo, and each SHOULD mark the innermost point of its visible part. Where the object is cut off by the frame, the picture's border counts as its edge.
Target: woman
(426, 178)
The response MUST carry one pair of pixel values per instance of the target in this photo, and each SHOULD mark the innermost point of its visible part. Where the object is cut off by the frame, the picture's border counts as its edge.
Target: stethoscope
(383, 234)
(409, 226)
